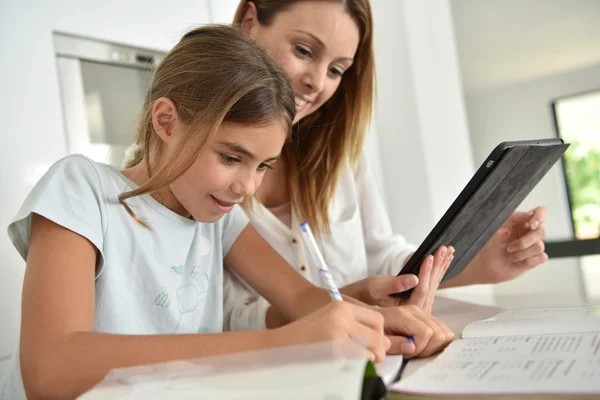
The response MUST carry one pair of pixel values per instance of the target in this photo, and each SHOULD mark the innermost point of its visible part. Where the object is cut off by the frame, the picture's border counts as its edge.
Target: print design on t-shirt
(162, 299)
(178, 269)
(188, 298)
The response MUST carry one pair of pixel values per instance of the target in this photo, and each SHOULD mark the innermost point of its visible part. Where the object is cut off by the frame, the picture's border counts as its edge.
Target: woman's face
(314, 42)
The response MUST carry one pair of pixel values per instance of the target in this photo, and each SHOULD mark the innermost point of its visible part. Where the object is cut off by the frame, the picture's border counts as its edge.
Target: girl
(125, 267)
(326, 49)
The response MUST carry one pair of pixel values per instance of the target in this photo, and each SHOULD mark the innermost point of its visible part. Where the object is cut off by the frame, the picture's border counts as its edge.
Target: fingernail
(407, 348)
(430, 261)
(534, 223)
(410, 339)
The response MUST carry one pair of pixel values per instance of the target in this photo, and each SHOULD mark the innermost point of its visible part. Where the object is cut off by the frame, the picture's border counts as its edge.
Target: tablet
(500, 184)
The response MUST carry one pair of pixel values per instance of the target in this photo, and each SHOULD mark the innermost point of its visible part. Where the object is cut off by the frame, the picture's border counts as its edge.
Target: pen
(313, 249)
(326, 278)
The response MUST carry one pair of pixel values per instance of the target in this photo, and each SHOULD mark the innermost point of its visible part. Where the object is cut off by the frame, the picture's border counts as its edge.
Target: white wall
(222, 11)
(420, 117)
(420, 114)
(523, 111)
(32, 126)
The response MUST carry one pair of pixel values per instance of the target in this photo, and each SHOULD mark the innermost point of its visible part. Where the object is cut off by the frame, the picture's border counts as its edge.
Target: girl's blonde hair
(213, 75)
(334, 134)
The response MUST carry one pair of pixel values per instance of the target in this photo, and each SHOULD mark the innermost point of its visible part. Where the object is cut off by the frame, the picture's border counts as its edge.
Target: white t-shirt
(161, 281)
(361, 244)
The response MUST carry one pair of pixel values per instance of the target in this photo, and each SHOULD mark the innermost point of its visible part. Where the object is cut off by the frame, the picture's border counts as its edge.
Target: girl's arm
(257, 263)
(61, 356)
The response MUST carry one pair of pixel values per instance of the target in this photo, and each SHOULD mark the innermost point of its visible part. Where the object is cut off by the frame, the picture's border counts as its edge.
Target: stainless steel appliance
(102, 91)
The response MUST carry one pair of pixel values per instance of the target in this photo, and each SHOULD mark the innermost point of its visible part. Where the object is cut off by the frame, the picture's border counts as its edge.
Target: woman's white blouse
(361, 244)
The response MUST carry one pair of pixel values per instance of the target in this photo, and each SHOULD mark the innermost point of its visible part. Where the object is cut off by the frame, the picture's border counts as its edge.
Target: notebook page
(534, 321)
(568, 363)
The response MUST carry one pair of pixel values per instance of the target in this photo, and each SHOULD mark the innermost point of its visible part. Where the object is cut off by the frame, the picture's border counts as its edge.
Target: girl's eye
(303, 51)
(229, 159)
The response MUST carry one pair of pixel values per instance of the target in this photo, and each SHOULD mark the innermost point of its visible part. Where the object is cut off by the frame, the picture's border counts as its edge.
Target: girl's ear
(164, 118)
(249, 18)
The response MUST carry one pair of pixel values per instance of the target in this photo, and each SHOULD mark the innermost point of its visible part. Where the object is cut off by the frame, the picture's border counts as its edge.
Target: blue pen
(326, 278)
(313, 249)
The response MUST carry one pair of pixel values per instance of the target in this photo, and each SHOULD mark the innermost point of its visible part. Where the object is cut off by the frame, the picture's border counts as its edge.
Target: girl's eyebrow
(237, 147)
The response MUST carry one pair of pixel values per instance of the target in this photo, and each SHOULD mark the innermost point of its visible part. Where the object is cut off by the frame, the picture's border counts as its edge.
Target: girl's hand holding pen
(429, 334)
(336, 322)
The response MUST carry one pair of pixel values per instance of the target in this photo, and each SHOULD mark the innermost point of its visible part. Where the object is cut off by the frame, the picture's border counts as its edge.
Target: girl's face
(314, 42)
(230, 170)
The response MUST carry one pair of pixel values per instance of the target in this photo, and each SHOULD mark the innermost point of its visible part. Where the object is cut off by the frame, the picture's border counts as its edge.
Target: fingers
(431, 273)
(380, 289)
(532, 262)
(539, 215)
(442, 264)
(401, 345)
(419, 295)
(367, 330)
(399, 284)
(534, 250)
(527, 240)
(365, 316)
(429, 335)
(376, 343)
(442, 336)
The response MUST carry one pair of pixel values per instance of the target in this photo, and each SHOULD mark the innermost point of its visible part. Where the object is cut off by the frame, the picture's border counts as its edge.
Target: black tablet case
(508, 180)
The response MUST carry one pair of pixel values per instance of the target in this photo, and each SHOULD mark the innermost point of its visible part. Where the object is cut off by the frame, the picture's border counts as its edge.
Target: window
(578, 122)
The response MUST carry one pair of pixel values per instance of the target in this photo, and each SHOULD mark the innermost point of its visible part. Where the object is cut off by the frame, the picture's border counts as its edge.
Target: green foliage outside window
(578, 123)
(583, 175)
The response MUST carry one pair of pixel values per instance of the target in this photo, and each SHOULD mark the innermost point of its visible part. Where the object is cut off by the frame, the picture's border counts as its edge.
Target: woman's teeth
(299, 101)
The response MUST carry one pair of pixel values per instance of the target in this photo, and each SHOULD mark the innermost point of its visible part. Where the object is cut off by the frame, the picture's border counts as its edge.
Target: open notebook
(323, 370)
(532, 350)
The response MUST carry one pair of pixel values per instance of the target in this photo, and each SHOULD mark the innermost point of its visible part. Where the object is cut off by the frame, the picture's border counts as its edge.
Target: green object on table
(373, 387)
(370, 370)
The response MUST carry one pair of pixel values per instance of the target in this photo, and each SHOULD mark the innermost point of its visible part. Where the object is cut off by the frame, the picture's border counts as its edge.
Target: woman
(325, 48)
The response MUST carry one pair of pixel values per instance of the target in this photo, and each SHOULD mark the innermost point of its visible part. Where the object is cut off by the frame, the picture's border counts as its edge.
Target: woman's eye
(264, 167)
(303, 51)
(229, 159)
(336, 72)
